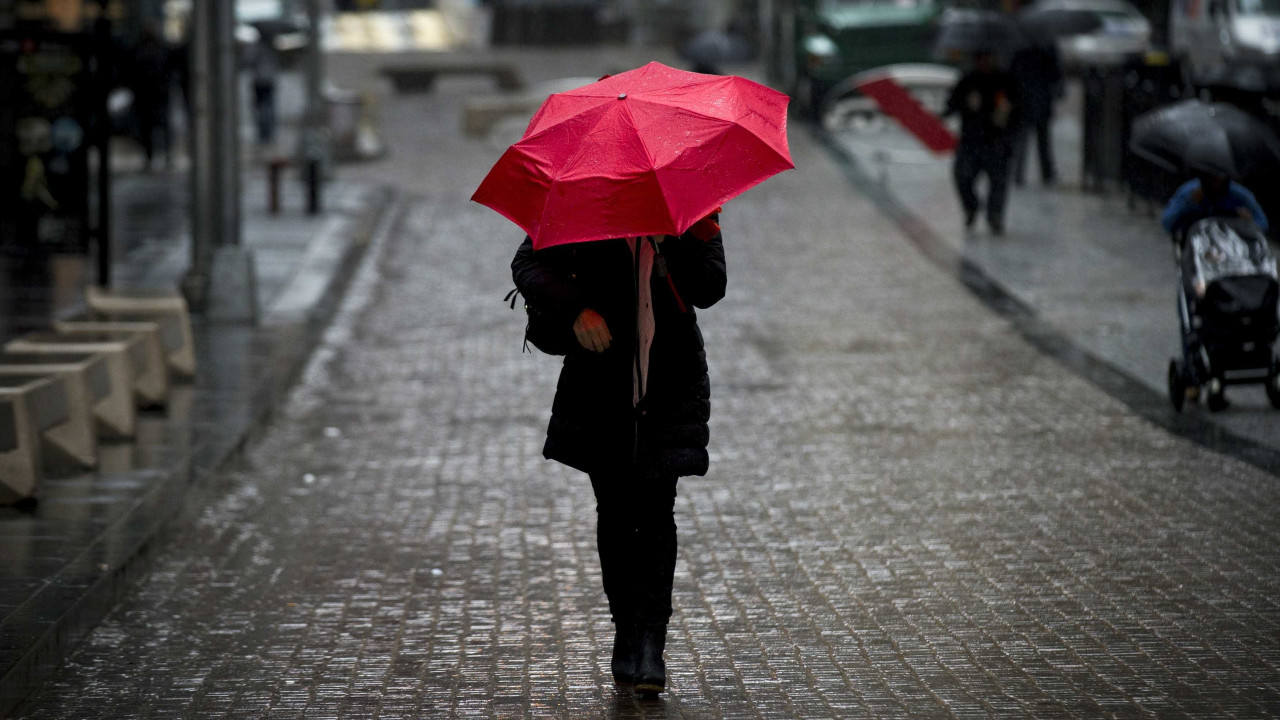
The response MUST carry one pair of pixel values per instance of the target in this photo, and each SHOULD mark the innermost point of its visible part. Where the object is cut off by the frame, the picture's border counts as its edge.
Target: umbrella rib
(705, 116)
(553, 179)
(553, 125)
(675, 104)
(653, 170)
(582, 147)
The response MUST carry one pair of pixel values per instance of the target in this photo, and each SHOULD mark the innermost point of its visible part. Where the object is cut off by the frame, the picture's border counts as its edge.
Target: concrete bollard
(150, 383)
(40, 405)
(8, 426)
(116, 414)
(88, 387)
(156, 388)
(164, 307)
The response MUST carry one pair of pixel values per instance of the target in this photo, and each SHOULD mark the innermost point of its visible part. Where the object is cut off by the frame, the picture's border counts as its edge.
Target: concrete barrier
(116, 414)
(167, 308)
(88, 387)
(40, 405)
(8, 426)
(157, 387)
(150, 381)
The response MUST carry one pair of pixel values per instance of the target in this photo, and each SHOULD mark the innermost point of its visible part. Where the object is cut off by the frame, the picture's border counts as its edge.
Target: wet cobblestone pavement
(910, 512)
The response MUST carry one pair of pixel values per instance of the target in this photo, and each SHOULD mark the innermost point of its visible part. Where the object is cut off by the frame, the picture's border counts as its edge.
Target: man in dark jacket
(631, 407)
(985, 98)
(1038, 72)
(149, 80)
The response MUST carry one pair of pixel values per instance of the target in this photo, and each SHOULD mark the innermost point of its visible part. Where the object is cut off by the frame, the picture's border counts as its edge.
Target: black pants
(993, 160)
(1044, 148)
(264, 111)
(636, 535)
(153, 120)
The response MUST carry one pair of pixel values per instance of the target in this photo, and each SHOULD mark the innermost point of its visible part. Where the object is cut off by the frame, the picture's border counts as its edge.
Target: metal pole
(227, 116)
(104, 68)
(205, 198)
(215, 167)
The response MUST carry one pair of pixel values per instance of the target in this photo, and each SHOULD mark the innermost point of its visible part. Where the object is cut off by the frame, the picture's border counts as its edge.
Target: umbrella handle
(661, 264)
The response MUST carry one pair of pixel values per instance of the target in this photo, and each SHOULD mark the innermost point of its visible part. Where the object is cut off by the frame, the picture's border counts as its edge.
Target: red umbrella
(646, 152)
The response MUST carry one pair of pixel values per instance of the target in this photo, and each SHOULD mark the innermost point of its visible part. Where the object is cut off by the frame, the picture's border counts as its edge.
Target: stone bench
(156, 390)
(125, 354)
(88, 388)
(420, 76)
(167, 308)
(480, 115)
(39, 403)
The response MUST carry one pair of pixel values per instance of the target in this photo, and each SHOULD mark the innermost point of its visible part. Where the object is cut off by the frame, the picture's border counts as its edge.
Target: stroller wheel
(1217, 396)
(1273, 383)
(1177, 386)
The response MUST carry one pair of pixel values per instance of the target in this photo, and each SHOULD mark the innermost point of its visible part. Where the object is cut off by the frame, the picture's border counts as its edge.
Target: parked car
(1123, 32)
(812, 46)
(1209, 35)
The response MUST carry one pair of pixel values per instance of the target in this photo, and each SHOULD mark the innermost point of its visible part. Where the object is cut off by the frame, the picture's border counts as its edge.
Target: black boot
(651, 671)
(626, 649)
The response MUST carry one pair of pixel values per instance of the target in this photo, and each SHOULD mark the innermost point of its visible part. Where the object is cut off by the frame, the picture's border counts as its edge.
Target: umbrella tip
(622, 96)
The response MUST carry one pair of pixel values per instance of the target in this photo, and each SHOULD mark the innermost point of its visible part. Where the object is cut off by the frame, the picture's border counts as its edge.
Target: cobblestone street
(910, 511)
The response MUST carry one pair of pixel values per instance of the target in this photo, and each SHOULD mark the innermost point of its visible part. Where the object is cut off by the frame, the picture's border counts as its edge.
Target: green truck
(811, 47)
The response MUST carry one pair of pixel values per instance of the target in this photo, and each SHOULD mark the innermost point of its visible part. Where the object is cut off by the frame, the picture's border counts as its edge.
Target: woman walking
(631, 408)
(617, 186)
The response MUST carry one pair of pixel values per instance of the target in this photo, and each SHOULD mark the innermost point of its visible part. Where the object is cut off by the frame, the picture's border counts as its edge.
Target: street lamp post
(221, 281)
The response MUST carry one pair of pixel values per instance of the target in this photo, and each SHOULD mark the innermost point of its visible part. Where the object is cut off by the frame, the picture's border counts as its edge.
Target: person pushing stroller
(1212, 193)
(1228, 287)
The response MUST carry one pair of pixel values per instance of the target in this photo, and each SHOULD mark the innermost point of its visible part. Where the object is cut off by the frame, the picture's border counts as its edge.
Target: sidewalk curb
(1144, 401)
(121, 552)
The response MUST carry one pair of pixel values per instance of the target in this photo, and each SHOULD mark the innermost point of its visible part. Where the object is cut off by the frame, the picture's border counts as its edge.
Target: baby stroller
(1228, 292)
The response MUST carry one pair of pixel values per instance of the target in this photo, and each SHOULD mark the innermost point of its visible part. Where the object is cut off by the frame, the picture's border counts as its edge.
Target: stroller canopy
(1229, 247)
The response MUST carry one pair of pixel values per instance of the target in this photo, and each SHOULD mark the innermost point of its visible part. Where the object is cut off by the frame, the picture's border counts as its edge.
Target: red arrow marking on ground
(898, 103)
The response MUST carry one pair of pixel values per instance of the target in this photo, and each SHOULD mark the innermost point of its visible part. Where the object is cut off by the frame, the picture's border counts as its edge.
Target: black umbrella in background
(711, 48)
(1044, 25)
(966, 32)
(1210, 137)
(1243, 77)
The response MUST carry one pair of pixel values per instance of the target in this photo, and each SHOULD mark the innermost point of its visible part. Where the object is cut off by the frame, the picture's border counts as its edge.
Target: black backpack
(551, 335)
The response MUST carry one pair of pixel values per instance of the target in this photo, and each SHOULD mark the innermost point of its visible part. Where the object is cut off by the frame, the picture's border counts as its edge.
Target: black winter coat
(978, 128)
(594, 427)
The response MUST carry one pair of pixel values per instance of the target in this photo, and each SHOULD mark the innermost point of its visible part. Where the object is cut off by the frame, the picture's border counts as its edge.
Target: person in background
(1211, 193)
(149, 80)
(1037, 70)
(986, 99)
(264, 67)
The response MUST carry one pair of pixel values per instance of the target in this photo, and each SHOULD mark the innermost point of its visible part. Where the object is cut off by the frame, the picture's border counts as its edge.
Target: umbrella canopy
(646, 152)
(1244, 76)
(1044, 25)
(976, 31)
(1209, 137)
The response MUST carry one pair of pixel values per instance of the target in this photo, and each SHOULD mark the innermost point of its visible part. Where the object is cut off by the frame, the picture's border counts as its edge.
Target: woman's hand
(593, 333)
